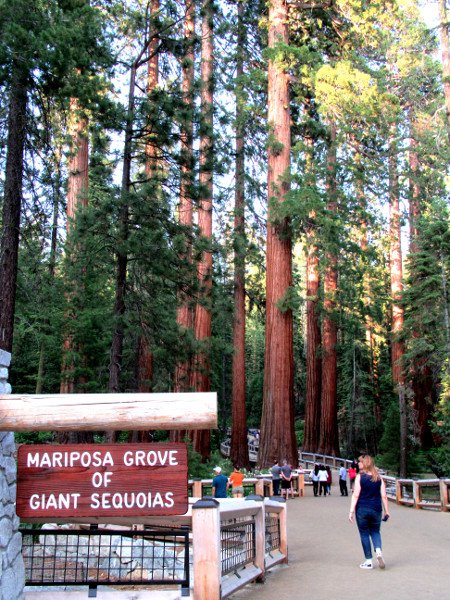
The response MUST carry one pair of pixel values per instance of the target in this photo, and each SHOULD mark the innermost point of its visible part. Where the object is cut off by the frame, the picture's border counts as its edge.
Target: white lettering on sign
(131, 500)
(85, 480)
(141, 458)
(58, 501)
(69, 459)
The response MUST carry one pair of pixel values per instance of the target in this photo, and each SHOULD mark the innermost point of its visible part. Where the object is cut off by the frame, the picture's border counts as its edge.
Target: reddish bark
(239, 442)
(313, 339)
(200, 378)
(396, 275)
(184, 311)
(277, 423)
(443, 22)
(77, 196)
(396, 269)
(313, 358)
(329, 443)
(420, 373)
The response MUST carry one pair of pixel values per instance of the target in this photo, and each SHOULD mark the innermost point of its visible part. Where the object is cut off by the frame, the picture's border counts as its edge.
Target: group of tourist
(282, 475)
(221, 483)
(367, 503)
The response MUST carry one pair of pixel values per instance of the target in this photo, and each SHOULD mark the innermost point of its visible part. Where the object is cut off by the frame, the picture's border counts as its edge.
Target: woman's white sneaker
(380, 559)
(367, 564)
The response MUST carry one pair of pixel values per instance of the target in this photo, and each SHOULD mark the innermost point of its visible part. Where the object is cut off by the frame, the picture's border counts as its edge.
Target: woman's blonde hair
(369, 467)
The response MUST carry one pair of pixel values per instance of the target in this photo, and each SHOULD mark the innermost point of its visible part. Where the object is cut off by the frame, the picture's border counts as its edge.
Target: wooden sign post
(105, 483)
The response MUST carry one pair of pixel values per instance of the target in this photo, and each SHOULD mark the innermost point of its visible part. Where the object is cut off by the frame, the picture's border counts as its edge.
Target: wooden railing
(418, 493)
(261, 485)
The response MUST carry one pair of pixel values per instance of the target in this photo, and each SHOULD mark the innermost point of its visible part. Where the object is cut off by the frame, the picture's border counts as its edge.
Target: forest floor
(325, 553)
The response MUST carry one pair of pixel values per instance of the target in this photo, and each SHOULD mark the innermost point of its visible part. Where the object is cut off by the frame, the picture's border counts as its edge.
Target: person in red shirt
(236, 480)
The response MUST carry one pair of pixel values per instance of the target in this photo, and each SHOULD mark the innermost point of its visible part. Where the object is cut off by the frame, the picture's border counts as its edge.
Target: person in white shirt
(323, 479)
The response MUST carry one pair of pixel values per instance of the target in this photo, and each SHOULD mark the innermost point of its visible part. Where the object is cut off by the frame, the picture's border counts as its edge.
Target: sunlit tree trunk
(313, 338)
(396, 276)
(77, 197)
(185, 317)
(420, 372)
(12, 202)
(277, 438)
(329, 443)
(202, 322)
(443, 28)
(185, 209)
(239, 443)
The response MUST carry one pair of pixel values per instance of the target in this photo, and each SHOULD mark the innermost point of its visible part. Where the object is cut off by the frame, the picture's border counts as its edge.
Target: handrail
(408, 492)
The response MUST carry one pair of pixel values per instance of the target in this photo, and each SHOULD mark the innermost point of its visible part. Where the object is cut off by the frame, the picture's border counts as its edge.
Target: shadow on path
(325, 553)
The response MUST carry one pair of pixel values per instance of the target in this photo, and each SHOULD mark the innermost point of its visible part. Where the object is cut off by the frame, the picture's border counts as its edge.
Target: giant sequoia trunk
(420, 372)
(202, 328)
(12, 205)
(239, 443)
(313, 338)
(443, 18)
(329, 442)
(277, 424)
(77, 196)
(396, 274)
(184, 311)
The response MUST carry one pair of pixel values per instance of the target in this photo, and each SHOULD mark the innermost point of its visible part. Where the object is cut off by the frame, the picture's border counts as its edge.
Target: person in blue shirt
(368, 500)
(219, 483)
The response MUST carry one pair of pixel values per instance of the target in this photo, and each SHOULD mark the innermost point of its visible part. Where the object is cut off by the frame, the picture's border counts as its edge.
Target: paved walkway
(325, 553)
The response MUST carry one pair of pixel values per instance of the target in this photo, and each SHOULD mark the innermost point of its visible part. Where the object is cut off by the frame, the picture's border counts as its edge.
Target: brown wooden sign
(111, 480)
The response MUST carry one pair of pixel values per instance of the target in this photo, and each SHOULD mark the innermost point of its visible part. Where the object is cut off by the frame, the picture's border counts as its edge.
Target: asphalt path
(325, 553)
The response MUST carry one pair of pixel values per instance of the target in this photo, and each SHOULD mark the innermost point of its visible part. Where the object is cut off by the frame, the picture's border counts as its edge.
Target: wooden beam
(108, 412)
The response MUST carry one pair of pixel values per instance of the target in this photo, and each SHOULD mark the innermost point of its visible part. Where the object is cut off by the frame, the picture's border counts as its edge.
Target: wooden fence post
(417, 494)
(398, 491)
(259, 488)
(206, 549)
(283, 532)
(197, 488)
(260, 536)
(443, 486)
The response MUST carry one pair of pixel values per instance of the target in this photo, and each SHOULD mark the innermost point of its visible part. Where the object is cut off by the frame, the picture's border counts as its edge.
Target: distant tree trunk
(277, 439)
(185, 317)
(420, 372)
(77, 196)
(329, 442)
(184, 311)
(115, 365)
(145, 354)
(396, 274)
(12, 204)
(313, 358)
(239, 440)
(367, 287)
(57, 201)
(443, 19)
(202, 328)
